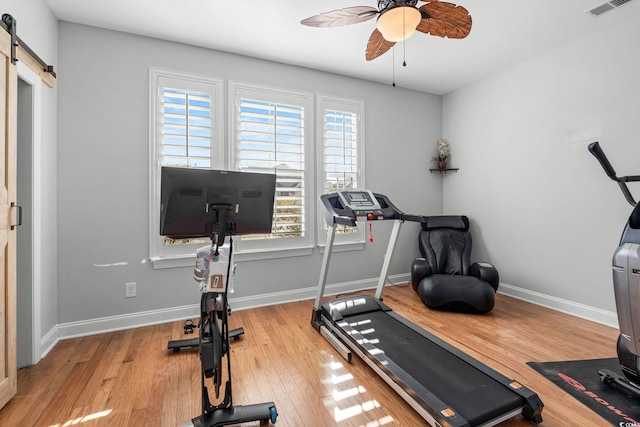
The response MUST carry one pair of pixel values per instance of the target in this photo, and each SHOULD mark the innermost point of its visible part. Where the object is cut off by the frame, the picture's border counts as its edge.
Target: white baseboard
(274, 298)
(593, 314)
(154, 317)
(126, 321)
(49, 341)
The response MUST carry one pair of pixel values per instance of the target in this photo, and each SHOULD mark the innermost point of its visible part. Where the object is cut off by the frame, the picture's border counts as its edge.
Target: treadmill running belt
(477, 397)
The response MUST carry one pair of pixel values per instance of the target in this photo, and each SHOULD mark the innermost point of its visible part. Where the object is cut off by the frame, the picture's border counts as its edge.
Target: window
(270, 133)
(186, 129)
(341, 156)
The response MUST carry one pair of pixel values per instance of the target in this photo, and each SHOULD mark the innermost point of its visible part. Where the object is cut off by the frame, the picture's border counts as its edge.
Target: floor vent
(605, 7)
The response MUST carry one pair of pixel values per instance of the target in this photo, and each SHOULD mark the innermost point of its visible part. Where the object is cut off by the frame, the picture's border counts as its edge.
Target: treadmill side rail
(342, 349)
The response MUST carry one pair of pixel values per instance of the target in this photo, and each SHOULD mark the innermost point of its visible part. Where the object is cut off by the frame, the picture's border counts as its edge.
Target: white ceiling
(504, 33)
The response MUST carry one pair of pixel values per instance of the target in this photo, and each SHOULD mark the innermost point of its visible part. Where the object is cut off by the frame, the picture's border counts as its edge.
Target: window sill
(188, 260)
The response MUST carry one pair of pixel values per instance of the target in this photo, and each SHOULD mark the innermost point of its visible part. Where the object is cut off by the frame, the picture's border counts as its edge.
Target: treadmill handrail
(345, 220)
(413, 218)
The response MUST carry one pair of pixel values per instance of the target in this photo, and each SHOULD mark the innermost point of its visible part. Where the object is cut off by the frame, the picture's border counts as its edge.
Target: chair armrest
(485, 271)
(419, 270)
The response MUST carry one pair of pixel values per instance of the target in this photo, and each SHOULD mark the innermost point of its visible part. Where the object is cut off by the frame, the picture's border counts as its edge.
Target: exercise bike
(626, 284)
(210, 203)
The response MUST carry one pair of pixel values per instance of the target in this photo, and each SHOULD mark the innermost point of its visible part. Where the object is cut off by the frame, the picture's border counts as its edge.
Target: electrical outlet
(130, 290)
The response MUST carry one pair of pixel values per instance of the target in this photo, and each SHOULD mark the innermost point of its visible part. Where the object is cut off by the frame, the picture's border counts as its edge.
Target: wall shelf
(444, 170)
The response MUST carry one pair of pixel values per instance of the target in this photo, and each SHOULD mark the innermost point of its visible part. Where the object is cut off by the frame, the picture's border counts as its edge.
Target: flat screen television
(206, 202)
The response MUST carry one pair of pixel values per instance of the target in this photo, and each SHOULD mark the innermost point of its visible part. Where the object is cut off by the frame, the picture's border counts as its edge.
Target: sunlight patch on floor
(382, 421)
(337, 379)
(343, 414)
(84, 419)
(344, 394)
(351, 397)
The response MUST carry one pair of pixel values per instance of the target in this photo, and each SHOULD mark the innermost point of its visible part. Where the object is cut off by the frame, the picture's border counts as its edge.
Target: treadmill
(444, 385)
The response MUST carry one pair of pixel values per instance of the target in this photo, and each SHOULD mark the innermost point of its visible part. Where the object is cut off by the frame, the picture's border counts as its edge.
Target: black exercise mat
(580, 379)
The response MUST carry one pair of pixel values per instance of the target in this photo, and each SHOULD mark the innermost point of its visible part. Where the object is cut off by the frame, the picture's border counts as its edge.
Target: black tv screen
(191, 202)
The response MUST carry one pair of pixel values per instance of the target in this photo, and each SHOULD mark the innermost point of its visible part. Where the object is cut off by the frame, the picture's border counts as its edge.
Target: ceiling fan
(398, 20)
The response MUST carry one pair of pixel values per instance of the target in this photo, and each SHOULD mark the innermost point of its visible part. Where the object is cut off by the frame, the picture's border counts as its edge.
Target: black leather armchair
(444, 277)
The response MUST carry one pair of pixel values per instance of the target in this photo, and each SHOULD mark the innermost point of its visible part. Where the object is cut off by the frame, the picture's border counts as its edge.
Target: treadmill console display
(348, 207)
(362, 203)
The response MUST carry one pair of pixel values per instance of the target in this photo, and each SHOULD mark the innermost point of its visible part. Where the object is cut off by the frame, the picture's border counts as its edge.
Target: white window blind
(185, 135)
(342, 153)
(186, 128)
(271, 139)
(341, 150)
(185, 131)
(270, 135)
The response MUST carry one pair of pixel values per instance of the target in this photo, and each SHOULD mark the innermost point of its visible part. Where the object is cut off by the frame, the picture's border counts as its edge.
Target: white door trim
(34, 80)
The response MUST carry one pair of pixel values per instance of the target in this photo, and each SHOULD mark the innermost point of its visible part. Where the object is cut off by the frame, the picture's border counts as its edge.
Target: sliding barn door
(8, 126)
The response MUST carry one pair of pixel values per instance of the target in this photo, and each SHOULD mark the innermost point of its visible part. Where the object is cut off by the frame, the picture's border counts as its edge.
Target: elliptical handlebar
(594, 148)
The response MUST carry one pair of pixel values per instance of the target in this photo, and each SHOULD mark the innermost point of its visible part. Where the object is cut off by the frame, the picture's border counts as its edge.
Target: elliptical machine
(626, 284)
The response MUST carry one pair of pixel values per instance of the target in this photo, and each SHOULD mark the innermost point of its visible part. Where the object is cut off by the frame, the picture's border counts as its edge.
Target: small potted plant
(443, 154)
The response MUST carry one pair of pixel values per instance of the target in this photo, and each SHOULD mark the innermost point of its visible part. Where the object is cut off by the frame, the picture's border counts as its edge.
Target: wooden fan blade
(340, 17)
(445, 20)
(377, 45)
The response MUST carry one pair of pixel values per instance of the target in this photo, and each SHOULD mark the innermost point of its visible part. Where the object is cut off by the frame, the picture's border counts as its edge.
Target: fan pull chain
(404, 38)
(393, 66)
(404, 53)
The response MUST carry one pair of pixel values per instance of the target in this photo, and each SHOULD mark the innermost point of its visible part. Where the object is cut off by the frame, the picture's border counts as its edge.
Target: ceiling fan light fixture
(398, 23)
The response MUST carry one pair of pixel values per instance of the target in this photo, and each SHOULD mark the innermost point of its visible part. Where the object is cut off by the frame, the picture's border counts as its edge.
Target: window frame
(161, 255)
(342, 241)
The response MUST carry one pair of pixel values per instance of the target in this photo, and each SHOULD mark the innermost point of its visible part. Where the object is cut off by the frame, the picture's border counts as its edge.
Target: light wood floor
(129, 378)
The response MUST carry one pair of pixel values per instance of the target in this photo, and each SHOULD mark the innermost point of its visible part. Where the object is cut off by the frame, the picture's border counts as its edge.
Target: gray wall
(546, 214)
(38, 27)
(103, 172)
